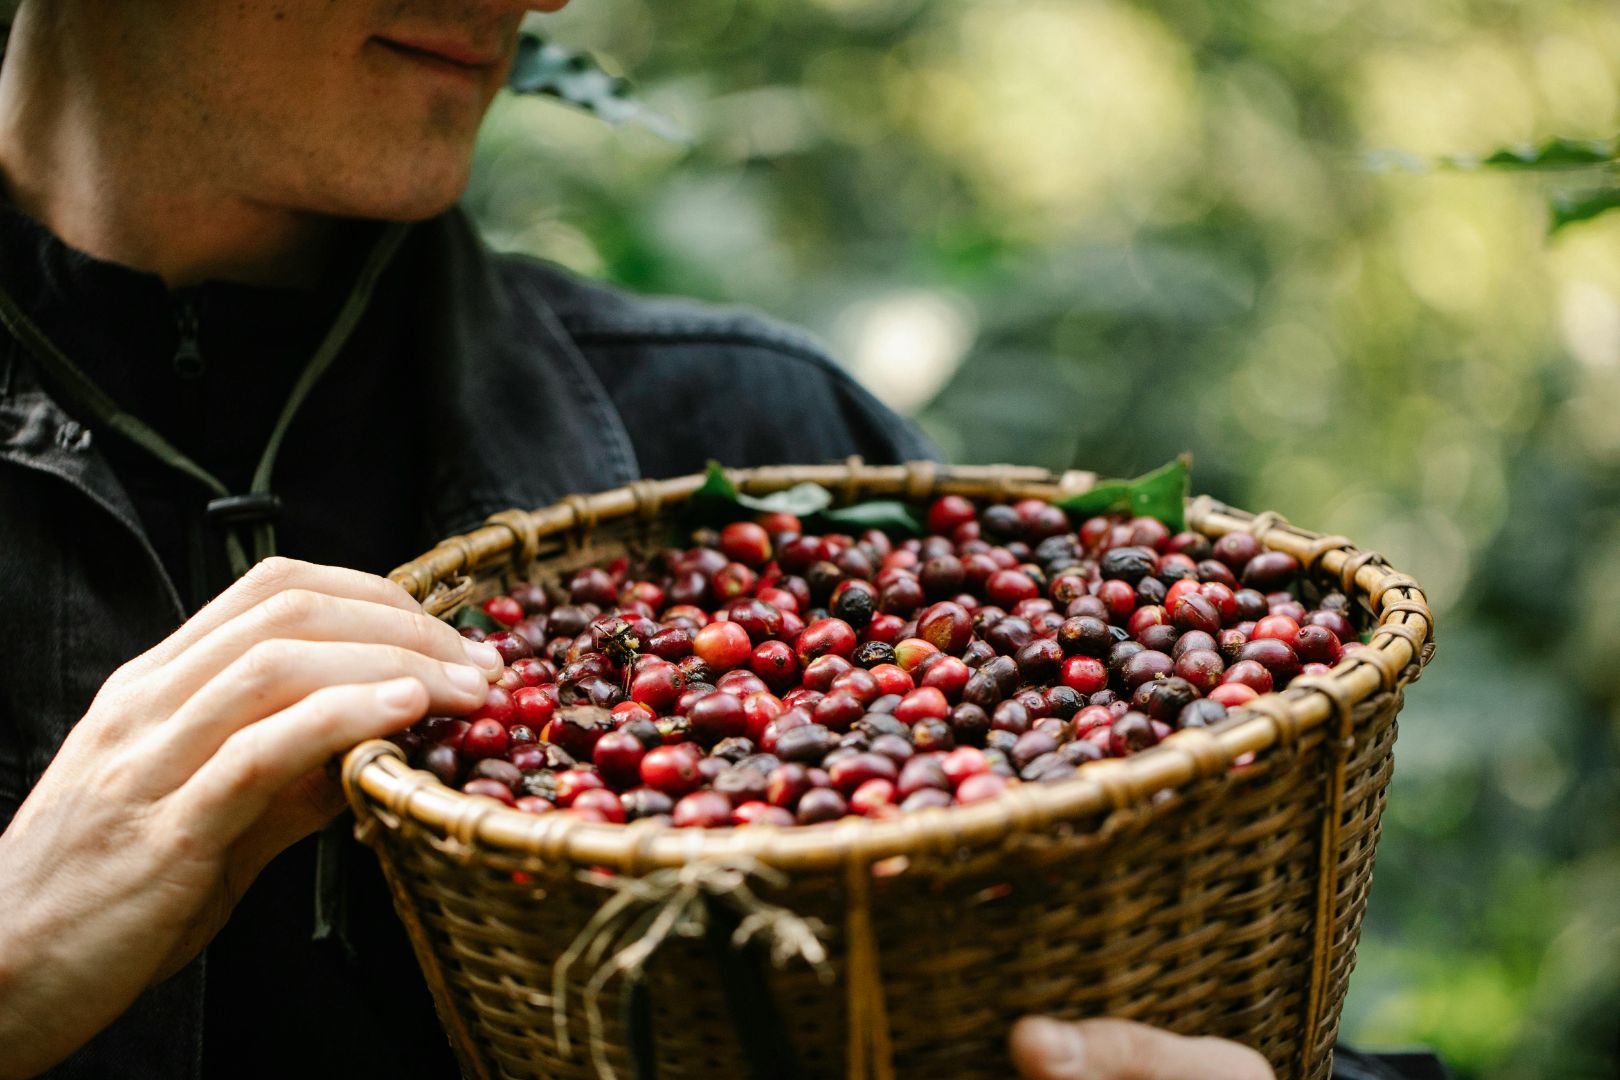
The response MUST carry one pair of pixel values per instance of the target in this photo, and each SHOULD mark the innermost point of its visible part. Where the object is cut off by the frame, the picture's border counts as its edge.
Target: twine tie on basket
(631, 926)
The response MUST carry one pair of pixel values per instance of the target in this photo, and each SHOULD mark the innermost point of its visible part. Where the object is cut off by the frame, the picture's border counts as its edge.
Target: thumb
(1047, 1049)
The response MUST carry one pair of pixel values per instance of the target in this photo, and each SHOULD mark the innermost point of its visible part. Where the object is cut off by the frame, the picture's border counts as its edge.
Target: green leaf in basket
(718, 502)
(716, 484)
(801, 500)
(1160, 494)
(473, 615)
(888, 515)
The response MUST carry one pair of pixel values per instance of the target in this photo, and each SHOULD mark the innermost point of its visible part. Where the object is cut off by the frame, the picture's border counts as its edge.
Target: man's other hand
(1046, 1049)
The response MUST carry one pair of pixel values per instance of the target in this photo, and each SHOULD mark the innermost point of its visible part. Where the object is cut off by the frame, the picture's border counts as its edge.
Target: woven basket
(1173, 887)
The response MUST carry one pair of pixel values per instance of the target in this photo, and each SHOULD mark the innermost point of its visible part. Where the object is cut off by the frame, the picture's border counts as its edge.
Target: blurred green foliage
(1102, 232)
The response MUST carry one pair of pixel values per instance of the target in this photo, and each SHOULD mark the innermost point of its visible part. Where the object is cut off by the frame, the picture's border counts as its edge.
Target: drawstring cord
(253, 512)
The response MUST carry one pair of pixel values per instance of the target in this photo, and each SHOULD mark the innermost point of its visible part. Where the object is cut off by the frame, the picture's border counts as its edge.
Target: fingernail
(484, 657)
(467, 680)
(397, 694)
(1056, 1044)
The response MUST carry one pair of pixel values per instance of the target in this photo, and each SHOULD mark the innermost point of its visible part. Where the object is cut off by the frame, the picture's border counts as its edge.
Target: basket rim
(376, 776)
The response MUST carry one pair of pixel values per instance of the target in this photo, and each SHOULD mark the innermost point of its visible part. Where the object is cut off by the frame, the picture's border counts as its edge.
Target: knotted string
(632, 925)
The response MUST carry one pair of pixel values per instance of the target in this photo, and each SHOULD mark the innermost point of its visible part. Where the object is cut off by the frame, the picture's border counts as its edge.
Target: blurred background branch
(1106, 231)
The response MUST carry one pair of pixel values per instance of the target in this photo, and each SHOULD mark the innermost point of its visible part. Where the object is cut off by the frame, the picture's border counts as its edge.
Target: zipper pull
(188, 358)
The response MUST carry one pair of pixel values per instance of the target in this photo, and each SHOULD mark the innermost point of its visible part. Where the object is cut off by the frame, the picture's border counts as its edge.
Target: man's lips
(445, 51)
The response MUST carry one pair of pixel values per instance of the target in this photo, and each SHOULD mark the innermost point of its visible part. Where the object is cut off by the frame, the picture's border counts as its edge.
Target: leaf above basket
(718, 502)
(1160, 494)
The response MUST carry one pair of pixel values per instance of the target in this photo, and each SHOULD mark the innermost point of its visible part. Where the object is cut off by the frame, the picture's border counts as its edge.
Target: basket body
(1214, 885)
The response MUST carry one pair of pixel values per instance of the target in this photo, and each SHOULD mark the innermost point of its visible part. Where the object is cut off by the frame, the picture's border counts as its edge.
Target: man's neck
(84, 159)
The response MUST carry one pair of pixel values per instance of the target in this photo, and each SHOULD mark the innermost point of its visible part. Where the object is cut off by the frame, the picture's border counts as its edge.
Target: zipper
(188, 358)
(189, 368)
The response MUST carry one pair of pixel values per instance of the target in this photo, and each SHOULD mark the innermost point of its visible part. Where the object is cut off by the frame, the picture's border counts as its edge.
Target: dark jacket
(541, 385)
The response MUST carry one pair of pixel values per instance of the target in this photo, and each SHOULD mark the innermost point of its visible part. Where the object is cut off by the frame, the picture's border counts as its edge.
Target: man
(214, 348)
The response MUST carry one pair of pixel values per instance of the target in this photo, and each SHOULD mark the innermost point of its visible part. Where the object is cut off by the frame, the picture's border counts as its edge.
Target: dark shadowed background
(1100, 232)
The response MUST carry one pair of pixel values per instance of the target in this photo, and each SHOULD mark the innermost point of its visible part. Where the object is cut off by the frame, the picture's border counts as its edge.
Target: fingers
(307, 615)
(264, 580)
(1046, 1049)
(295, 811)
(275, 675)
(233, 791)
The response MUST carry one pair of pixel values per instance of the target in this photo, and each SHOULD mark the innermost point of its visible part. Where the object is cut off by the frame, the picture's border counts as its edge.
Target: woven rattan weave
(1214, 884)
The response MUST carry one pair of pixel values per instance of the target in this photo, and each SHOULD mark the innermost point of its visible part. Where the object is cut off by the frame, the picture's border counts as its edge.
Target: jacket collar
(520, 419)
(517, 417)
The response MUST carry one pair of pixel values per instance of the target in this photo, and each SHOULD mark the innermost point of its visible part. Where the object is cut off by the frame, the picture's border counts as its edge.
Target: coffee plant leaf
(1570, 208)
(573, 76)
(1160, 494)
(473, 615)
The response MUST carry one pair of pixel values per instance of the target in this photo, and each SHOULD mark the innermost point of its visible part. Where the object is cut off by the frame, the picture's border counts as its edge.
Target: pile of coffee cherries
(768, 675)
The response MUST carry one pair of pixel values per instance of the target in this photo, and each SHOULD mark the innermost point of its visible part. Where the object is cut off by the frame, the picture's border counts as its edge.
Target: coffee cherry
(504, 610)
(598, 805)
(722, 646)
(838, 711)
(574, 781)
(1201, 713)
(948, 675)
(776, 664)
(1269, 571)
(925, 702)
(1315, 643)
(1249, 673)
(853, 771)
(855, 601)
(717, 716)
(1202, 668)
(911, 652)
(1233, 694)
(825, 637)
(821, 804)
(1277, 657)
(946, 626)
(1144, 667)
(671, 770)
(760, 813)
(1277, 627)
(746, 542)
(485, 738)
(592, 585)
(493, 789)
(1039, 661)
(949, 512)
(1167, 697)
(702, 810)
(980, 787)
(1130, 733)
(1195, 612)
(807, 744)
(1236, 549)
(645, 802)
(618, 757)
(1192, 639)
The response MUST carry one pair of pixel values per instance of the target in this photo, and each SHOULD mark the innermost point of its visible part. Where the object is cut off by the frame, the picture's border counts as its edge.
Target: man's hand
(1045, 1049)
(197, 763)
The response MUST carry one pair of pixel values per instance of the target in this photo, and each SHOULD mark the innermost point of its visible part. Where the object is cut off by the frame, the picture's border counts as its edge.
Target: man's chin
(413, 198)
